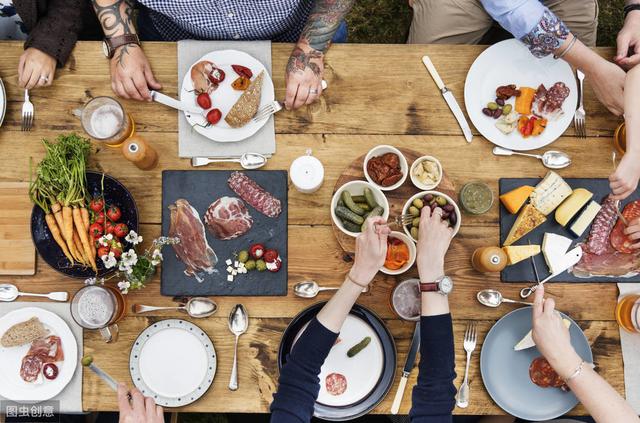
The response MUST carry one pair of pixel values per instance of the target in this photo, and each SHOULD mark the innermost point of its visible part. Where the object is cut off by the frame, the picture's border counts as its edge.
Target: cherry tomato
(50, 371)
(116, 249)
(217, 75)
(109, 227)
(96, 204)
(204, 100)
(256, 251)
(114, 213)
(242, 71)
(96, 230)
(120, 230)
(270, 256)
(99, 217)
(214, 116)
(103, 251)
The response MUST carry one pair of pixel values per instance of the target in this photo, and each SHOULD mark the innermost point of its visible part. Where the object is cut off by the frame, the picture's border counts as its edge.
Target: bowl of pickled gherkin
(431, 199)
(354, 202)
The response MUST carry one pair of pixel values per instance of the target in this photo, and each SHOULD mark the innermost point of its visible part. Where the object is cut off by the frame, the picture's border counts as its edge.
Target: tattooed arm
(131, 74)
(306, 63)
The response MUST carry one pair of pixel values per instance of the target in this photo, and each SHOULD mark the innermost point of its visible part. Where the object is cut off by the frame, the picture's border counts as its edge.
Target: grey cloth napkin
(630, 343)
(71, 396)
(191, 143)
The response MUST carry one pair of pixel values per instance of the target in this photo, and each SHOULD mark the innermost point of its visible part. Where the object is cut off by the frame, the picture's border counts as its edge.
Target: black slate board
(523, 271)
(201, 188)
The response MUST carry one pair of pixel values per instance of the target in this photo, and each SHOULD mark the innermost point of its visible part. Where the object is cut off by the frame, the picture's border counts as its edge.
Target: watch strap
(628, 8)
(121, 40)
(429, 287)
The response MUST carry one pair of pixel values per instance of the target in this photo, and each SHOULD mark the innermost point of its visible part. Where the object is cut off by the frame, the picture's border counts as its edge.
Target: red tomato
(96, 230)
(242, 71)
(217, 75)
(109, 227)
(204, 100)
(99, 217)
(114, 213)
(120, 230)
(96, 204)
(214, 116)
(103, 251)
(116, 249)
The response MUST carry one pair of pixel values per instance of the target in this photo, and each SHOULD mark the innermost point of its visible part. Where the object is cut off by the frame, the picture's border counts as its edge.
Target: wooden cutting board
(17, 253)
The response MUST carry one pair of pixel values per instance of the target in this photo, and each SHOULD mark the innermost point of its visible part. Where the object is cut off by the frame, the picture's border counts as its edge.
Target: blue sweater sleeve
(299, 384)
(434, 395)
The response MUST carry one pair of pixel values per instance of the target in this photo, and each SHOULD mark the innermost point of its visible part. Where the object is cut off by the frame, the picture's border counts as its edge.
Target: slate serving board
(201, 188)
(523, 271)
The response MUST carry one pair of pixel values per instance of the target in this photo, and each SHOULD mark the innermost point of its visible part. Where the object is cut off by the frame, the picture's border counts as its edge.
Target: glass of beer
(106, 121)
(406, 301)
(98, 307)
(628, 313)
(620, 139)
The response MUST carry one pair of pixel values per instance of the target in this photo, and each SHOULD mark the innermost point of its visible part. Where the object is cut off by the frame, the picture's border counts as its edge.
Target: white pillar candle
(307, 173)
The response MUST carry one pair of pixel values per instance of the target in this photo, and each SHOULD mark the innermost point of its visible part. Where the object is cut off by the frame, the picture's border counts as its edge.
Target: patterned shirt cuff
(547, 35)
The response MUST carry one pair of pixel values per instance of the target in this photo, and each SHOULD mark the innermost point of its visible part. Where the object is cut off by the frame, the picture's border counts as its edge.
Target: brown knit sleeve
(56, 32)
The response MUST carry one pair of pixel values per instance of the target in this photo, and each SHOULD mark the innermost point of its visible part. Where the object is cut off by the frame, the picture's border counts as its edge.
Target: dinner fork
(404, 219)
(27, 112)
(579, 117)
(275, 106)
(470, 338)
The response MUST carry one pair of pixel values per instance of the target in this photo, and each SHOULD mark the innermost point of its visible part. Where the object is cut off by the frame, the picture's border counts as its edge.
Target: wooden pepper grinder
(139, 152)
(489, 259)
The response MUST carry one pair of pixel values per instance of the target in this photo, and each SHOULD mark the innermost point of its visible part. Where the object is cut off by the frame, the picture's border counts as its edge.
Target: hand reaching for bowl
(139, 409)
(434, 238)
(371, 250)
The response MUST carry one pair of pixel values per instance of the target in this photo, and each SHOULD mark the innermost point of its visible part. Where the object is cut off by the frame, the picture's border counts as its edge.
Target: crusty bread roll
(23, 333)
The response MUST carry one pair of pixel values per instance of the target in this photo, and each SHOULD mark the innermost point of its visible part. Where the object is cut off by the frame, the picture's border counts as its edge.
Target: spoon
(309, 289)
(493, 298)
(196, 307)
(247, 160)
(10, 292)
(238, 323)
(551, 159)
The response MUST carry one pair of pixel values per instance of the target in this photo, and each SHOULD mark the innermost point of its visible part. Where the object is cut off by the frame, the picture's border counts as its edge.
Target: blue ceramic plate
(505, 372)
(114, 193)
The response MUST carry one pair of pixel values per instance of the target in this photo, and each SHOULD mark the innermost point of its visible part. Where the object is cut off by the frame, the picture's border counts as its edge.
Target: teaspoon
(10, 292)
(196, 307)
(493, 298)
(247, 161)
(309, 289)
(550, 159)
(238, 324)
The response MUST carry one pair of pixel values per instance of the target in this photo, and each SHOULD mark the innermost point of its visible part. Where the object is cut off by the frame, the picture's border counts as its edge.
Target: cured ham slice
(254, 194)
(200, 77)
(193, 249)
(228, 218)
(619, 240)
(547, 103)
(43, 350)
(610, 263)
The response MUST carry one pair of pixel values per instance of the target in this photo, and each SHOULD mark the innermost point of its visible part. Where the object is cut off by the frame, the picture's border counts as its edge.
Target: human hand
(35, 69)
(371, 250)
(140, 409)
(628, 41)
(434, 238)
(624, 180)
(633, 232)
(303, 76)
(131, 74)
(607, 80)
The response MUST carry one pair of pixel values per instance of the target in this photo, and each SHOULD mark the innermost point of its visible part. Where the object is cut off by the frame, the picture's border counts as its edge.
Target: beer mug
(106, 121)
(406, 300)
(628, 313)
(98, 307)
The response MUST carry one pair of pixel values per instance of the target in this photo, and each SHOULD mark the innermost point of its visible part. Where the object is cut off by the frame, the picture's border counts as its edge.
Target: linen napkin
(71, 396)
(190, 142)
(630, 343)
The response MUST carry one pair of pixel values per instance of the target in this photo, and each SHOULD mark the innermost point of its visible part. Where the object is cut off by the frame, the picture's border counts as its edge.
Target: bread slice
(247, 105)
(23, 333)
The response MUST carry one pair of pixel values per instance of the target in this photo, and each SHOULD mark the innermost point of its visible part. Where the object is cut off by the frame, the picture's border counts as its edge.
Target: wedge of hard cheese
(515, 199)
(517, 253)
(584, 220)
(550, 193)
(528, 219)
(554, 249)
(527, 341)
(572, 205)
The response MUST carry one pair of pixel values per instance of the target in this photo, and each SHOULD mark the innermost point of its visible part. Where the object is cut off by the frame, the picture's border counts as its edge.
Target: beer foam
(106, 121)
(96, 307)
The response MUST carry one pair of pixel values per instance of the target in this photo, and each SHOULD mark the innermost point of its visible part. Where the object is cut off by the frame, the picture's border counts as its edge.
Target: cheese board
(566, 227)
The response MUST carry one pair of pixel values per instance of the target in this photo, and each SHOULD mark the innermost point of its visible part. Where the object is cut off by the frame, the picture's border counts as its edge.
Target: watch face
(105, 49)
(446, 285)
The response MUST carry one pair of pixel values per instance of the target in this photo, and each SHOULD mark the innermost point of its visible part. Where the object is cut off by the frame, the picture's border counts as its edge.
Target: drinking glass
(98, 307)
(620, 139)
(406, 300)
(106, 121)
(628, 313)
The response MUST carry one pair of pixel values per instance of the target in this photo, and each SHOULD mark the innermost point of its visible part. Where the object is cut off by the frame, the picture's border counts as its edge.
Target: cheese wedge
(550, 193)
(515, 199)
(554, 248)
(584, 220)
(517, 253)
(528, 219)
(572, 205)
(527, 341)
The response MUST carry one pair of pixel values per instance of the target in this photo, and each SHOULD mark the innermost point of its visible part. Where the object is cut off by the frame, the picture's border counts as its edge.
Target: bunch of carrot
(59, 188)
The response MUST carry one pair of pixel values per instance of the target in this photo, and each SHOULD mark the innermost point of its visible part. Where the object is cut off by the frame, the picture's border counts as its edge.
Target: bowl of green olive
(431, 199)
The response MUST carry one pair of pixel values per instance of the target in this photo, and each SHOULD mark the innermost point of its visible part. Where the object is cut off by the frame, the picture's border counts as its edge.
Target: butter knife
(449, 98)
(174, 103)
(408, 366)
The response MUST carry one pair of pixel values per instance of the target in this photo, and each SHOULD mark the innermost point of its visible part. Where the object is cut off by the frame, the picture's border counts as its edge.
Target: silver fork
(579, 117)
(404, 219)
(268, 110)
(470, 338)
(27, 112)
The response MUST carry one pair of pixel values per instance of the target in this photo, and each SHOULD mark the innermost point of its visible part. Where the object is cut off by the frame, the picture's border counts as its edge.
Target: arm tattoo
(115, 16)
(323, 23)
(299, 60)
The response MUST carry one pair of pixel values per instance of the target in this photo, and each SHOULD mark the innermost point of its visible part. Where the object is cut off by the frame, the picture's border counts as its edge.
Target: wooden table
(379, 94)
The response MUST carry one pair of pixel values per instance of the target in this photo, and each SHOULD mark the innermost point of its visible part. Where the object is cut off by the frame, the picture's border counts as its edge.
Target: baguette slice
(23, 333)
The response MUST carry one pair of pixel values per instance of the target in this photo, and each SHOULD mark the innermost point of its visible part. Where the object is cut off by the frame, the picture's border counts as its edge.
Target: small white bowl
(379, 151)
(456, 209)
(357, 188)
(416, 182)
(412, 254)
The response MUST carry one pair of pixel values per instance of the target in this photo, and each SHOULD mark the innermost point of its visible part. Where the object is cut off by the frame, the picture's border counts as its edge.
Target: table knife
(449, 98)
(408, 366)
(174, 103)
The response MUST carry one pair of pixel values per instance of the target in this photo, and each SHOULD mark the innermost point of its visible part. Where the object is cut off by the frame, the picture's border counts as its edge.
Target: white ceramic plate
(225, 96)
(3, 102)
(510, 62)
(362, 371)
(174, 362)
(11, 384)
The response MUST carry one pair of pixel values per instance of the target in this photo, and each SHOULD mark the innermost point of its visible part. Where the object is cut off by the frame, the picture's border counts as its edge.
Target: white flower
(157, 255)
(123, 267)
(90, 281)
(129, 258)
(109, 260)
(133, 238)
(105, 240)
(124, 286)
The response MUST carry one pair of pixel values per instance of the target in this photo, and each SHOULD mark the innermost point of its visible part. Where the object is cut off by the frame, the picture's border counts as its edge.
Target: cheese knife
(408, 366)
(449, 98)
(535, 268)
(572, 258)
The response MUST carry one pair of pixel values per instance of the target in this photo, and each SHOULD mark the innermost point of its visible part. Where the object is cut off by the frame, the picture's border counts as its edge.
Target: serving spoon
(550, 159)
(238, 324)
(493, 298)
(310, 289)
(196, 307)
(248, 161)
(10, 292)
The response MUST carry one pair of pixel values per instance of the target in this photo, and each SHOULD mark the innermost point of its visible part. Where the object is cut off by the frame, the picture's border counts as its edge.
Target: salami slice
(31, 367)
(254, 194)
(543, 375)
(601, 229)
(336, 384)
(619, 240)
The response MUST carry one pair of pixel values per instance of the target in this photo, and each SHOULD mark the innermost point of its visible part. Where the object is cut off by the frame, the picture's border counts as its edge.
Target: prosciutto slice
(228, 218)
(193, 249)
(200, 77)
(43, 350)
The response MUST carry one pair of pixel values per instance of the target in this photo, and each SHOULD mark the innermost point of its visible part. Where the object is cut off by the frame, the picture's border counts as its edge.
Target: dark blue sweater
(433, 396)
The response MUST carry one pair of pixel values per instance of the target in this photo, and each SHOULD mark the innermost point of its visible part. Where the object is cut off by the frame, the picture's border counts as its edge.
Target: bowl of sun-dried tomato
(385, 167)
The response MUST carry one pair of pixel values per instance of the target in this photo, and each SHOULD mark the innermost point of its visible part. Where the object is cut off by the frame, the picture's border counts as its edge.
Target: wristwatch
(109, 45)
(442, 285)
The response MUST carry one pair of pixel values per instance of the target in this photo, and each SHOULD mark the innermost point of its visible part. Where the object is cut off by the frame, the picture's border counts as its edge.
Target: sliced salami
(31, 367)
(336, 384)
(254, 194)
(619, 240)
(602, 226)
(543, 375)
